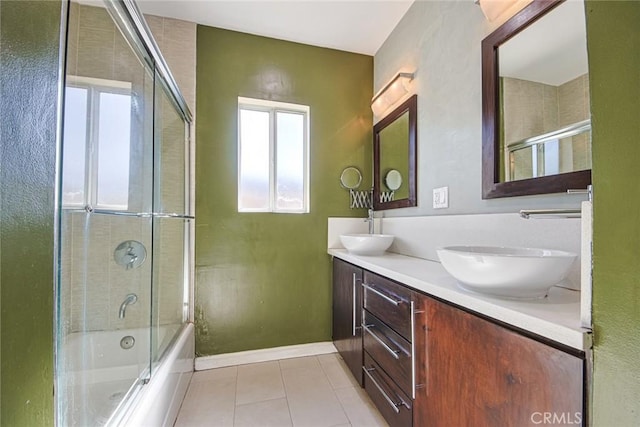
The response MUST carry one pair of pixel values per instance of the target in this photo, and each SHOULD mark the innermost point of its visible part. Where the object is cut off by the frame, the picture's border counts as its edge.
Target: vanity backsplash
(420, 236)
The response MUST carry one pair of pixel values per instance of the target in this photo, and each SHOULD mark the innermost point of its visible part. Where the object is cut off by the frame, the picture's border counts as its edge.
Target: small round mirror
(393, 180)
(351, 178)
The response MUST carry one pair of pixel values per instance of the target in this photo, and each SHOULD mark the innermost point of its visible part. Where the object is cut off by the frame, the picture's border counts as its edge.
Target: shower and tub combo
(124, 337)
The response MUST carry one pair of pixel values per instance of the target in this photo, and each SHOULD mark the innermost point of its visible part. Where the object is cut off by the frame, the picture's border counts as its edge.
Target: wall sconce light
(492, 9)
(391, 93)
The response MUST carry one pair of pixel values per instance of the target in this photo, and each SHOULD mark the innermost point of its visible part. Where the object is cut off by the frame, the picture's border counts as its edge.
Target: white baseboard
(264, 355)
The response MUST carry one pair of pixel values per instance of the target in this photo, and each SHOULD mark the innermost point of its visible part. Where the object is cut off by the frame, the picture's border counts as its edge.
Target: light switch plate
(441, 198)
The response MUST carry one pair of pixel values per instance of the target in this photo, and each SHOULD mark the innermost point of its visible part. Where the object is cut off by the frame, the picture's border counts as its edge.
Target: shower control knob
(130, 254)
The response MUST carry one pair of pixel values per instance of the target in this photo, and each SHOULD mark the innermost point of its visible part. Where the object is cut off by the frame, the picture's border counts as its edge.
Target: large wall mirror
(394, 158)
(535, 102)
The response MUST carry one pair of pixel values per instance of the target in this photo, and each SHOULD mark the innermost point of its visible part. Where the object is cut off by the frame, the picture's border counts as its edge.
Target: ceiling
(359, 26)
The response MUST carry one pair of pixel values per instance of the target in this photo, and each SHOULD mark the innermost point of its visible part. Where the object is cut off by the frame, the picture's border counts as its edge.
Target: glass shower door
(123, 273)
(106, 229)
(171, 223)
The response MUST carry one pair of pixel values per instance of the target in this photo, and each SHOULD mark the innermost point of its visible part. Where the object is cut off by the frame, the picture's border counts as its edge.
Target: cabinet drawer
(393, 404)
(389, 350)
(388, 301)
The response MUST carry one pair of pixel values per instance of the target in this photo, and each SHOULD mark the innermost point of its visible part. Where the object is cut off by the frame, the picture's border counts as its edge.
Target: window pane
(290, 161)
(551, 155)
(254, 160)
(74, 151)
(114, 143)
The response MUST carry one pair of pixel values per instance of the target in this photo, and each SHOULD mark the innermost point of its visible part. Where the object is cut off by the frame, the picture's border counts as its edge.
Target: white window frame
(95, 87)
(273, 107)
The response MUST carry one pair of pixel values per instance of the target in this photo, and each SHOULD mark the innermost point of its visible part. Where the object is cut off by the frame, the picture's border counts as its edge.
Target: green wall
(613, 33)
(28, 100)
(264, 280)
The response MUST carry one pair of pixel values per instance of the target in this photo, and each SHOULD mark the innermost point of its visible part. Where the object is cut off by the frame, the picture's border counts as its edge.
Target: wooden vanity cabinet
(347, 309)
(483, 374)
(440, 365)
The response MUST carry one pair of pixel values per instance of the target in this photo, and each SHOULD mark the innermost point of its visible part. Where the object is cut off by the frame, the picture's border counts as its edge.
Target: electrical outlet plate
(441, 198)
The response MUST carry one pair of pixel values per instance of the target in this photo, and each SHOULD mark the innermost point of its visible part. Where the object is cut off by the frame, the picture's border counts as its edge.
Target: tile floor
(312, 391)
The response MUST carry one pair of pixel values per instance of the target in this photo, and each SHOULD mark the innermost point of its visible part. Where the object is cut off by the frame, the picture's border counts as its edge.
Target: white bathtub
(101, 377)
(158, 402)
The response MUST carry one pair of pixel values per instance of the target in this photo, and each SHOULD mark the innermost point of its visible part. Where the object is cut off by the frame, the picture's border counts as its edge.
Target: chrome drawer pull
(413, 350)
(355, 279)
(393, 301)
(391, 351)
(394, 405)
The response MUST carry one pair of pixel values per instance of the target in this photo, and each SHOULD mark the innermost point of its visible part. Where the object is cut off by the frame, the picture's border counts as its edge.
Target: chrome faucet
(130, 299)
(369, 219)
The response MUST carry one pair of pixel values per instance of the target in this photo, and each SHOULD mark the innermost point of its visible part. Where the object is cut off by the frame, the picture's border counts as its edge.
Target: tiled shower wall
(532, 108)
(98, 284)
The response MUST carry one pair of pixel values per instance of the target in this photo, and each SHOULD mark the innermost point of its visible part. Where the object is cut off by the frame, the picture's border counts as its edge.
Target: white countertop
(556, 317)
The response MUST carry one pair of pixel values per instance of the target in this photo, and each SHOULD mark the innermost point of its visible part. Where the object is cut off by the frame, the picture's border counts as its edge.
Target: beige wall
(97, 285)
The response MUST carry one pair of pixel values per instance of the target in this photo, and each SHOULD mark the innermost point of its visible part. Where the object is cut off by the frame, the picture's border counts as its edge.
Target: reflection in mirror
(536, 116)
(393, 180)
(544, 97)
(351, 178)
(394, 153)
(394, 158)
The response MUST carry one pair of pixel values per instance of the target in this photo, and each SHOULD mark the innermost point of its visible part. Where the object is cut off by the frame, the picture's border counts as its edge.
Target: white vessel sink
(366, 244)
(521, 273)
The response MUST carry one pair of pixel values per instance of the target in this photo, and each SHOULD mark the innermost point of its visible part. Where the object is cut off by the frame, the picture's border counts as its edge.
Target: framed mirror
(536, 129)
(394, 158)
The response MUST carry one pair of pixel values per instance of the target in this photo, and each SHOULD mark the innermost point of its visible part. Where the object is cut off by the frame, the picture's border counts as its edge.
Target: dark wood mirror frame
(410, 105)
(491, 186)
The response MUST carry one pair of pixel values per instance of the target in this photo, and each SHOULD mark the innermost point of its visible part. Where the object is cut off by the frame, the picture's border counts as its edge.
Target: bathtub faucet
(130, 299)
